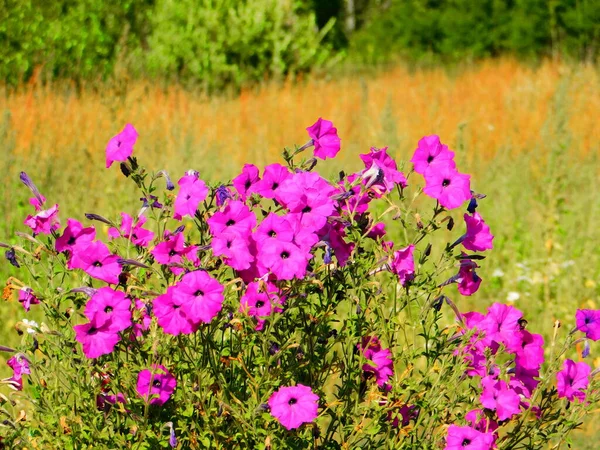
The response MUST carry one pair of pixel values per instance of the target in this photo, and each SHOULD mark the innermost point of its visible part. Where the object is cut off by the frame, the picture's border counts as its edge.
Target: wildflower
(103, 400)
(170, 315)
(449, 187)
(120, 147)
(235, 217)
(136, 234)
(192, 191)
(96, 340)
(284, 259)
(478, 237)
(497, 396)
(27, 298)
(512, 296)
(529, 349)
(273, 176)
(222, 194)
(403, 264)
(172, 250)
(201, 296)
(588, 322)
(333, 235)
(380, 360)
(573, 380)
(234, 247)
(388, 176)
(467, 278)
(480, 422)
(44, 221)
(73, 235)
(11, 257)
(97, 261)
(20, 366)
(325, 139)
(172, 437)
(467, 438)
(245, 181)
(156, 385)
(38, 199)
(260, 303)
(431, 153)
(403, 415)
(111, 307)
(501, 324)
(294, 405)
(274, 227)
(144, 321)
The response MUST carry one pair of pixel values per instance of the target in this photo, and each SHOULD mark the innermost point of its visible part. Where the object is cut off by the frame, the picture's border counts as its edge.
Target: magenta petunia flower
(480, 421)
(294, 405)
(529, 349)
(170, 315)
(260, 300)
(245, 182)
(467, 279)
(201, 296)
(172, 249)
(136, 234)
(325, 138)
(27, 298)
(284, 259)
(573, 380)
(274, 227)
(120, 147)
(449, 187)
(523, 381)
(431, 153)
(333, 235)
(588, 322)
(103, 400)
(235, 248)
(403, 264)
(380, 361)
(192, 191)
(467, 438)
(235, 217)
(273, 176)
(498, 396)
(478, 237)
(501, 323)
(96, 341)
(74, 234)
(20, 366)
(111, 307)
(382, 170)
(44, 222)
(97, 261)
(156, 385)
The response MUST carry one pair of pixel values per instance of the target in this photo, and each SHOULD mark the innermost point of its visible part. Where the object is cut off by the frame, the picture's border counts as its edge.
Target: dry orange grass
(494, 106)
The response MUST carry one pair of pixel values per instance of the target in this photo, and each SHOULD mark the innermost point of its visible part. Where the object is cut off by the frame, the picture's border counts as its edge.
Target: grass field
(529, 137)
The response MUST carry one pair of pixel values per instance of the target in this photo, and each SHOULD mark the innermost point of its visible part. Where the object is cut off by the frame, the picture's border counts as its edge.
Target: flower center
(466, 442)
(273, 234)
(285, 255)
(71, 240)
(156, 383)
(108, 309)
(247, 184)
(275, 185)
(97, 264)
(430, 158)
(230, 222)
(292, 401)
(172, 252)
(446, 182)
(198, 293)
(307, 209)
(260, 304)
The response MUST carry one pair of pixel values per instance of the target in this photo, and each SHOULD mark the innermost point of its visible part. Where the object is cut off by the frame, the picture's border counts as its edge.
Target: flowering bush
(275, 312)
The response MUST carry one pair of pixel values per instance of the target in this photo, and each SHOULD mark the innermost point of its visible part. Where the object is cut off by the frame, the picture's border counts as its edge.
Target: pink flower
(120, 147)
(201, 296)
(497, 396)
(573, 380)
(136, 234)
(480, 422)
(284, 259)
(260, 300)
(501, 323)
(294, 405)
(235, 217)
(467, 438)
(103, 400)
(172, 250)
(467, 278)
(96, 341)
(170, 314)
(403, 264)
(588, 322)
(192, 191)
(478, 237)
(235, 248)
(382, 170)
(20, 366)
(274, 227)
(245, 181)
(44, 221)
(431, 153)
(156, 385)
(142, 323)
(273, 176)
(73, 235)
(333, 235)
(27, 298)
(97, 261)
(447, 186)
(529, 349)
(325, 139)
(380, 360)
(109, 307)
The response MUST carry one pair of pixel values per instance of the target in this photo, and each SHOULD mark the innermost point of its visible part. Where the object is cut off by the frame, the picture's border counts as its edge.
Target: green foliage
(219, 42)
(456, 29)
